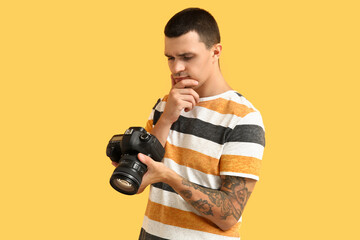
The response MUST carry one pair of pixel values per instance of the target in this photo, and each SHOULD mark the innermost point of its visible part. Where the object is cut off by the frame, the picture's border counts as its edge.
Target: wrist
(161, 130)
(165, 122)
(170, 177)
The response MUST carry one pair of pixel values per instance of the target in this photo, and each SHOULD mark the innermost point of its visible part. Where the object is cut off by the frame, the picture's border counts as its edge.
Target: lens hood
(127, 177)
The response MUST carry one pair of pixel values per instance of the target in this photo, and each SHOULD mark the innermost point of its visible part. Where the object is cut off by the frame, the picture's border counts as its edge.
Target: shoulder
(240, 101)
(240, 106)
(249, 125)
(160, 102)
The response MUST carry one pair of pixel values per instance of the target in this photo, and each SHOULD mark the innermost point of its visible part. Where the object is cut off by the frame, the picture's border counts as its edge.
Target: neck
(215, 85)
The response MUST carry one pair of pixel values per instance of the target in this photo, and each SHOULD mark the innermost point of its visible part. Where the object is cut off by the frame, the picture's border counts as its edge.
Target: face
(188, 57)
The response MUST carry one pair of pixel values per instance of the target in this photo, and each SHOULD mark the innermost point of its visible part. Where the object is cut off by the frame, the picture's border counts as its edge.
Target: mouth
(178, 79)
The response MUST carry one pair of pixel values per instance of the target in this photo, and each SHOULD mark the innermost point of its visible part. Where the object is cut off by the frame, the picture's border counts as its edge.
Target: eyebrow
(180, 55)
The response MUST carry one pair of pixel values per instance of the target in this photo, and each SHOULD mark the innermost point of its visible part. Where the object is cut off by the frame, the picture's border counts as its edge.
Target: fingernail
(141, 156)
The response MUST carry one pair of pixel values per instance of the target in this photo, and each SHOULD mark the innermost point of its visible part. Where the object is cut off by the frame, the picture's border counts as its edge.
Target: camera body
(123, 149)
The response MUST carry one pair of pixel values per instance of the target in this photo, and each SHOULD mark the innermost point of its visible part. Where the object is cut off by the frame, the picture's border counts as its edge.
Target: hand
(181, 97)
(115, 164)
(156, 172)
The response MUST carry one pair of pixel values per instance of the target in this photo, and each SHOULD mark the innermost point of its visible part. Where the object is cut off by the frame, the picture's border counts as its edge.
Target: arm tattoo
(234, 190)
(237, 188)
(186, 193)
(202, 206)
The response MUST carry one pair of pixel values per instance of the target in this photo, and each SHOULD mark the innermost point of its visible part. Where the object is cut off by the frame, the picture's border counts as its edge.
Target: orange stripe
(223, 106)
(189, 220)
(165, 98)
(241, 164)
(226, 107)
(149, 125)
(192, 159)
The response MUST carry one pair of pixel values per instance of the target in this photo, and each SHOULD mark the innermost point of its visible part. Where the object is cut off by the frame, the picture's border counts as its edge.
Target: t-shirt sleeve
(243, 150)
(153, 116)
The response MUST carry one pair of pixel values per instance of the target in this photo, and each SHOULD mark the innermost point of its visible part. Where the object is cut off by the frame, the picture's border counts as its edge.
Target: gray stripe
(163, 186)
(199, 128)
(157, 115)
(158, 101)
(247, 133)
(239, 94)
(216, 133)
(147, 236)
(167, 187)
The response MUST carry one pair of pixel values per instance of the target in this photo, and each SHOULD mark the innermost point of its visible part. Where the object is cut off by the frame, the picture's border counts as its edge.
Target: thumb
(144, 159)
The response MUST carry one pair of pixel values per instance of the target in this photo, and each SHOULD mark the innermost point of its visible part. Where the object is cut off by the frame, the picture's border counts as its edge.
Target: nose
(177, 66)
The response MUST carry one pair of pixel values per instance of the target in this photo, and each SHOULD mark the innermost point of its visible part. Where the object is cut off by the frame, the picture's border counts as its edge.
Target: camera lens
(124, 185)
(127, 177)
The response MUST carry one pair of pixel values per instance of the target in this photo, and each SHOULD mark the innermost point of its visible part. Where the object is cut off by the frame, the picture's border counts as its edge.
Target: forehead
(186, 43)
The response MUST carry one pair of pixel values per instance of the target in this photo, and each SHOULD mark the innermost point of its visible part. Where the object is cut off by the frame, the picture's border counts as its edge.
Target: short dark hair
(194, 19)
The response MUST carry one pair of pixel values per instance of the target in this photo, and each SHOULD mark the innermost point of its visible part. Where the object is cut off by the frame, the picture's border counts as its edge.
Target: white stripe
(224, 120)
(170, 199)
(245, 175)
(216, 118)
(212, 117)
(244, 149)
(161, 106)
(224, 95)
(177, 233)
(241, 100)
(193, 175)
(253, 118)
(207, 115)
(192, 142)
(151, 117)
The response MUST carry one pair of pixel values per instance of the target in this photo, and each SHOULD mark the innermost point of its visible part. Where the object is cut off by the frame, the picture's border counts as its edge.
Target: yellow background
(73, 73)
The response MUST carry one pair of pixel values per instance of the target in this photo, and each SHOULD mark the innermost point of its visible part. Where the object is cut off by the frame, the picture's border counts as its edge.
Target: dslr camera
(123, 149)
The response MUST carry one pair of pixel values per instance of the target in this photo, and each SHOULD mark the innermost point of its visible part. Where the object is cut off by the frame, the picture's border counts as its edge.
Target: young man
(213, 138)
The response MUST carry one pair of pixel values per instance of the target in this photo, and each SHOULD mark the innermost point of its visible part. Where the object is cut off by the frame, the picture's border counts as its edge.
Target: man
(213, 138)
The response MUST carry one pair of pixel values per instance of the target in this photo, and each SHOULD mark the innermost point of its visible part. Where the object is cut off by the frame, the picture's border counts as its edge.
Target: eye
(170, 58)
(187, 58)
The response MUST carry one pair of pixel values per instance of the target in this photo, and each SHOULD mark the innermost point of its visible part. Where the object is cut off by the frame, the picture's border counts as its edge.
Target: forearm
(181, 97)
(219, 206)
(223, 207)
(214, 205)
(161, 130)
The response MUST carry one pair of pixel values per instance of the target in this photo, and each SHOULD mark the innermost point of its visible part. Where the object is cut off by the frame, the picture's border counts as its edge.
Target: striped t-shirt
(222, 135)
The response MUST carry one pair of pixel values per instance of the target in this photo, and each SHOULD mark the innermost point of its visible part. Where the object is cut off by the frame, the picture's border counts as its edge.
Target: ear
(216, 51)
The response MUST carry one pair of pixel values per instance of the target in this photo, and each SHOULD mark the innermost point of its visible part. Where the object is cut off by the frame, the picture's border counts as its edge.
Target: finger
(189, 99)
(140, 190)
(189, 91)
(115, 164)
(183, 100)
(186, 83)
(195, 95)
(172, 80)
(189, 107)
(144, 159)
